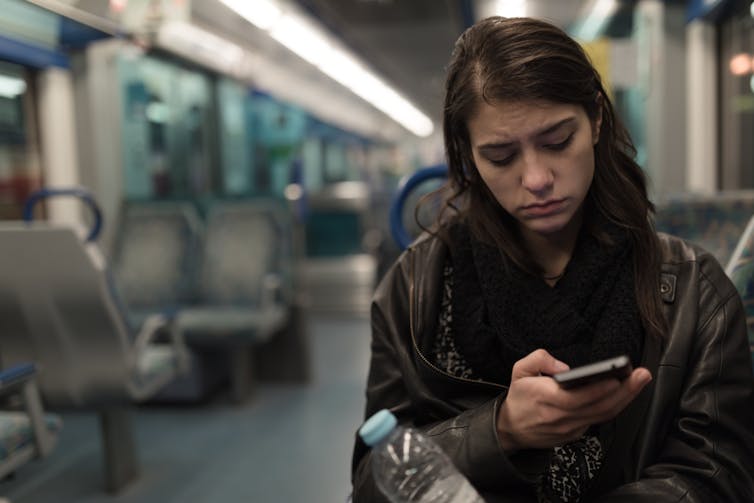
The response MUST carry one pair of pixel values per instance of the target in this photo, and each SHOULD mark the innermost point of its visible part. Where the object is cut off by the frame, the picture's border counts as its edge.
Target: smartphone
(618, 368)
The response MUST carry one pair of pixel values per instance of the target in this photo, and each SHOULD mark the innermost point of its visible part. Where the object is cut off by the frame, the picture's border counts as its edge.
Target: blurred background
(207, 187)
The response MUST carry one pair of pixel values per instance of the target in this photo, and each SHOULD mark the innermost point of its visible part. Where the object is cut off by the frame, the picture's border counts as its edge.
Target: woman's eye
(504, 161)
(562, 145)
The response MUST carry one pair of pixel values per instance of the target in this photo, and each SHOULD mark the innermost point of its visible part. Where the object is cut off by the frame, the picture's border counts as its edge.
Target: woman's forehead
(515, 120)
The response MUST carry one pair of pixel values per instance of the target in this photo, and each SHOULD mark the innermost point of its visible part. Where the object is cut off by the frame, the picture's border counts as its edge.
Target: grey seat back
(57, 309)
(245, 244)
(156, 255)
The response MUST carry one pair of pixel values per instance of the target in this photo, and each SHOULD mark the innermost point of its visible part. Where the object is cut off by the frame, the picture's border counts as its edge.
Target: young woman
(546, 259)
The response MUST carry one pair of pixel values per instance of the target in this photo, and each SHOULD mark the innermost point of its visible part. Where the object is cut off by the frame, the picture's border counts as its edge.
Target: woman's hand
(538, 413)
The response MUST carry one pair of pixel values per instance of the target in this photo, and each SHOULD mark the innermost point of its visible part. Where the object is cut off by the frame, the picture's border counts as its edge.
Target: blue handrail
(78, 192)
(405, 187)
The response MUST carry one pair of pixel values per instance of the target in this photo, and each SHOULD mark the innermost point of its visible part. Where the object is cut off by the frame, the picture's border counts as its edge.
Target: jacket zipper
(412, 314)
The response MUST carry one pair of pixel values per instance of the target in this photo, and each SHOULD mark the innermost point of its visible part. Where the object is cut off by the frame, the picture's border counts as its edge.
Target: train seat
(28, 433)
(714, 221)
(155, 258)
(740, 269)
(244, 284)
(59, 308)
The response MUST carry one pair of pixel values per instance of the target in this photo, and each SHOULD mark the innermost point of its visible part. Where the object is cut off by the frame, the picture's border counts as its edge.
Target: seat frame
(20, 380)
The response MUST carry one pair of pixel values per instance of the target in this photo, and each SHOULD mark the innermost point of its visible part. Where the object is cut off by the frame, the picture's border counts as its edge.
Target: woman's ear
(597, 121)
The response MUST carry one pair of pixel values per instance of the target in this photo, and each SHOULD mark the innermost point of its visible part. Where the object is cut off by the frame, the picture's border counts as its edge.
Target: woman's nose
(536, 177)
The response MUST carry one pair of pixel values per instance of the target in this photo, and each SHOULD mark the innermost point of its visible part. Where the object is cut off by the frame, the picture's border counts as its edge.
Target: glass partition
(168, 143)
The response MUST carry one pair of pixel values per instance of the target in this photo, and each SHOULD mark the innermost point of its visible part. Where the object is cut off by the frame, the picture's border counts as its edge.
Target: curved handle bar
(78, 192)
(405, 187)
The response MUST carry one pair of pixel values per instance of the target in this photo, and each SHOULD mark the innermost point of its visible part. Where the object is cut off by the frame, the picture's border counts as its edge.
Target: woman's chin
(564, 222)
(546, 227)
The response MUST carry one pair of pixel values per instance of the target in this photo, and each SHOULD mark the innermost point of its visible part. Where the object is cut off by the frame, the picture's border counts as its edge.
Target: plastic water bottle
(408, 467)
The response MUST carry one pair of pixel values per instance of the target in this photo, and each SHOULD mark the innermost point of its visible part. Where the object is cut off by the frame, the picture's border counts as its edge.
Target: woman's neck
(553, 251)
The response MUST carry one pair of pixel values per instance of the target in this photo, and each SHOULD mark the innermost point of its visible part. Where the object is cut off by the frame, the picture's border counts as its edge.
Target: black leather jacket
(689, 435)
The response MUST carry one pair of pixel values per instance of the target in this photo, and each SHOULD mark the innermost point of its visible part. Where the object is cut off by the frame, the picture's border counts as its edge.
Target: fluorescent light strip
(261, 13)
(301, 39)
(311, 43)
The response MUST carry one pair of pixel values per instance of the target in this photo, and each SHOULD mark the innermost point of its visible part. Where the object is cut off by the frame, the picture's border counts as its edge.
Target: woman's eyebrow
(545, 130)
(554, 127)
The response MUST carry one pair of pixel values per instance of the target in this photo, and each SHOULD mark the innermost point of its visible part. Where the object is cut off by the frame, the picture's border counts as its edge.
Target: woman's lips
(545, 208)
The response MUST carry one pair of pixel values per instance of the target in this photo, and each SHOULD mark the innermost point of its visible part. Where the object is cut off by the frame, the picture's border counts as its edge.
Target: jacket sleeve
(468, 437)
(708, 453)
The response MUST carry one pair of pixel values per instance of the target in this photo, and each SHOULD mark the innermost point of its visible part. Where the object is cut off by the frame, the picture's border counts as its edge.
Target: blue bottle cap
(377, 427)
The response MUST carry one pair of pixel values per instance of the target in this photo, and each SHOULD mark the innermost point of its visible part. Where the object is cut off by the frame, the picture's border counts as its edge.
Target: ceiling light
(302, 39)
(310, 42)
(261, 13)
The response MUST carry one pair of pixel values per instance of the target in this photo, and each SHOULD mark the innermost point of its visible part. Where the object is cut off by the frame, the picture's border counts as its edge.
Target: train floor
(289, 443)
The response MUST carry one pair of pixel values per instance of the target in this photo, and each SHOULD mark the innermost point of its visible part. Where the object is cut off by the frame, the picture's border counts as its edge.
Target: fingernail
(560, 366)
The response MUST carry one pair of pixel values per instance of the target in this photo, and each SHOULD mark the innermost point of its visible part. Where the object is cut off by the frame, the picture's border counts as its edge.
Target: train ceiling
(406, 42)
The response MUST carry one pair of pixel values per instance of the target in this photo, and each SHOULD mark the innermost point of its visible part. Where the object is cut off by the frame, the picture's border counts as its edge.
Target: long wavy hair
(509, 59)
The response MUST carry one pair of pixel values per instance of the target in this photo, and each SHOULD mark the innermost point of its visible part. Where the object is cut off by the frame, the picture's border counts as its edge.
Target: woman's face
(537, 158)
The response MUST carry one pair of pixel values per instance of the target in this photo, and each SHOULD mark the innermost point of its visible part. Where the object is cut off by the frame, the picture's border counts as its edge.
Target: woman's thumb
(536, 363)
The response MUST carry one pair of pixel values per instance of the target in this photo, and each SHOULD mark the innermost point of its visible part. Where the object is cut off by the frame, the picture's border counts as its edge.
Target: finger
(564, 422)
(588, 396)
(582, 397)
(536, 363)
(614, 403)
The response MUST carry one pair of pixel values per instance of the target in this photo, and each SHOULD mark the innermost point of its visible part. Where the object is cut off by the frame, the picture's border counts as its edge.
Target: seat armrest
(149, 329)
(14, 378)
(272, 290)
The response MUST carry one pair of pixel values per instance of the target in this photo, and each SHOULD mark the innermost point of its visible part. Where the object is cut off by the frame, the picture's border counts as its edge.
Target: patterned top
(572, 466)
(447, 356)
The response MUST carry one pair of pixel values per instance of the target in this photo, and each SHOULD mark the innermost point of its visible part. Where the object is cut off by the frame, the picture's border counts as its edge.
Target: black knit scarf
(501, 316)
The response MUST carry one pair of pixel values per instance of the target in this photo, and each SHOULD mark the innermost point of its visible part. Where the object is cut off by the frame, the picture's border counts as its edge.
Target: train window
(737, 99)
(236, 143)
(168, 140)
(335, 167)
(279, 130)
(20, 170)
(312, 162)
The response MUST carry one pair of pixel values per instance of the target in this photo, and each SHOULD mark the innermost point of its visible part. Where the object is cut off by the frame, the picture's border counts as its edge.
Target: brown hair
(509, 59)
